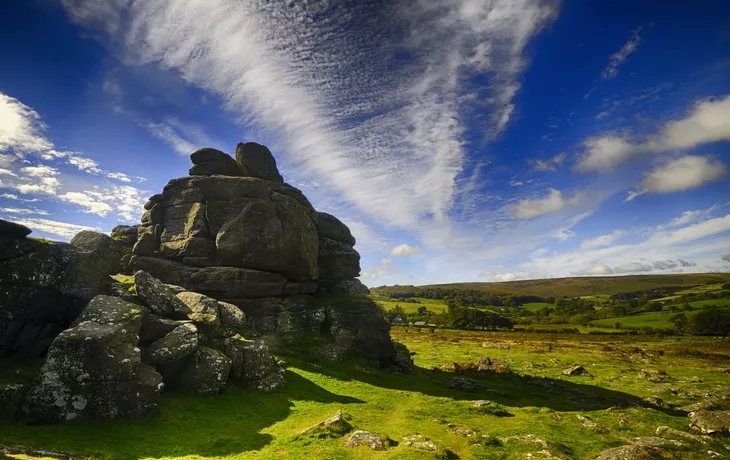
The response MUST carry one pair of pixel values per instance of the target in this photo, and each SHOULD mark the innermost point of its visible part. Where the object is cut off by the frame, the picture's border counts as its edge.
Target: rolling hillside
(576, 287)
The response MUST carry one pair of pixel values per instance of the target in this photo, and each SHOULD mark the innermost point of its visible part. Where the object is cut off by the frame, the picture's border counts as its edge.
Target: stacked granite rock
(43, 286)
(234, 231)
(120, 353)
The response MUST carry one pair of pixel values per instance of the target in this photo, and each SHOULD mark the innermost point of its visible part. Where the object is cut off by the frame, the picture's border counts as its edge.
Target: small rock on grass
(333, 426)
(365, 438)
(417, 441)
(667, 431)
(631, 452)
(525, 439)
(576, 370)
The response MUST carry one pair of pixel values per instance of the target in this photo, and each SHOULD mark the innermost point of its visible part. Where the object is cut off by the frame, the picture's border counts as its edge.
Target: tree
(710, 321)
(422, 311)
(679, 321)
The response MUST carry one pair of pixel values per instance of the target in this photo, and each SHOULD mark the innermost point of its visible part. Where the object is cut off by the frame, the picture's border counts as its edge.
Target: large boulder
(208, 161)
(43, 287)
(103, 246)
(337, 260)
(12, 230)
(158, 297)
(216, 282)
(252, 363)
(199, 308)
(257, 161)
(177, 344)
(204, 372)
(94, 369)
(126, 235)
(329, 226)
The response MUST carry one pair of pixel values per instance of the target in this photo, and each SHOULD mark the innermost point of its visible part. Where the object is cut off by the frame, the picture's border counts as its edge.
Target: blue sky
(461, 140)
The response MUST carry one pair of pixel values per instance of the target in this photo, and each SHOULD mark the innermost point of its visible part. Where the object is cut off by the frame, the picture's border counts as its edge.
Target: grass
(538, 399)
(581, 286)
(435, 306)
(537, 306)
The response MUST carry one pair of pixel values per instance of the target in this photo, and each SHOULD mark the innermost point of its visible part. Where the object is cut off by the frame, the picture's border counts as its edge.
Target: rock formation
(233, 230)
(221, 256)
(43, 288)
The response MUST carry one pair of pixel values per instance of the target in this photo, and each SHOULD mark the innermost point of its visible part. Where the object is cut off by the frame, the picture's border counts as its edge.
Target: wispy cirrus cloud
(388, 136)
(620, 56)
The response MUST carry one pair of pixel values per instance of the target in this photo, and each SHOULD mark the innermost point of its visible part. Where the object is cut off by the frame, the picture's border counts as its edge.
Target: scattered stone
(177, 344)
(461, 383)
(631, 452)
(419, 442)
(588, 423)
(654, 441)
(655, 402)
(334, 426)
(497, 366)
(668, 431)
(710, 422)
(557, 417)
(525, 439)
(497, 345)
(576, 370)
(365, 438)
(31, 452)
(480, 403)
(695, 380)
(333, 353)
(706, 405)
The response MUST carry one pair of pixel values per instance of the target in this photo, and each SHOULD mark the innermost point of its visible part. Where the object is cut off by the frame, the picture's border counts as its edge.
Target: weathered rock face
(43, 287)
(103, 246)
(235, 232)
(94, 369)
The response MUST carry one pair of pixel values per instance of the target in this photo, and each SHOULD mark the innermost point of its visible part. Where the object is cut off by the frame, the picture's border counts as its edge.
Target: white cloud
(405, 250)
(687, 217)
(707, 122)
(600, 269)
(305, 86)
(687, 263)
(63, 229)
(503, 277)
(38, 212)
(665, 264)
(605, 153)
(385, 267)
(684, 173)
(602, 240)
(550, 165)
(20, 127)
(92, 205)
(620, 56)
(632, 267)
(554, 202)
(7, 172)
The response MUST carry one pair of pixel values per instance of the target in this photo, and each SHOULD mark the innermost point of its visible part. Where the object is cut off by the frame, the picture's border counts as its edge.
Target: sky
(460, 140)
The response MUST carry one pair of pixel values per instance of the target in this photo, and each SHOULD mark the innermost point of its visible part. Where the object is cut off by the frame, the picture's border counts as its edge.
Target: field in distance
(579, 286)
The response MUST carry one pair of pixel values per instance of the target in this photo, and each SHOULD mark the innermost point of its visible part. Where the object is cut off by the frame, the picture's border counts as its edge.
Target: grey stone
(205, 372)
(365, 438)
(343, 286)
(329, 226)
(208, 161)
(157, 296)
(231, 315)
(12, 230)
(631, 452)
(711, 422)
(199, 308)
(257, 161)
(337, 260)
(177, 344)
(576, 370)
(103, 246)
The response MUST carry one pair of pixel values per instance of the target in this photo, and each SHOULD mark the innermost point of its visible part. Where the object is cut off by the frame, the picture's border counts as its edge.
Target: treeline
(708, 321)
(468, 297)
(463, 318)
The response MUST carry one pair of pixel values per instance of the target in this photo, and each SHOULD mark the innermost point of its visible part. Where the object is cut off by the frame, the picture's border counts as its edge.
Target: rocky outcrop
(118, 356)
(235, 232)
(43, 288)
(103, 246)
(94, 369)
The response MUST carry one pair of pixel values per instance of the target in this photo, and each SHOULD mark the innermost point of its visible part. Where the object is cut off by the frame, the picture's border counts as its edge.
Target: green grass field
(657, 319)
(537, 306)
(538, 400)
(435, 306)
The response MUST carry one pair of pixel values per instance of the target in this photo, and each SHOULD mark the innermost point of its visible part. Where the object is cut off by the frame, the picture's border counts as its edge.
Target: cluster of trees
(708, 321)
(455, 318)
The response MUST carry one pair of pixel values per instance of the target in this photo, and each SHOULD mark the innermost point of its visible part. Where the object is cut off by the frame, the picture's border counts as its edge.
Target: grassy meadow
(537, 399)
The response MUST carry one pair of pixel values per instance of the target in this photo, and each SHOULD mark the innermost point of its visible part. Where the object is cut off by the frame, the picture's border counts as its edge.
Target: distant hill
(577, 287)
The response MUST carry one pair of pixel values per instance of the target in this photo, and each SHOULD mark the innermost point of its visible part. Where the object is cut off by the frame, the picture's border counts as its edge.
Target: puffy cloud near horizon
(707, 122)
(594, 270)
(63, 229)
(405, 250)
(632, 267)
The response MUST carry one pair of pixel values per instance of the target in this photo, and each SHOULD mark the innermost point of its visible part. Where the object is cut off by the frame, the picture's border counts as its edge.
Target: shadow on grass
(507, 389)
(185, 424)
